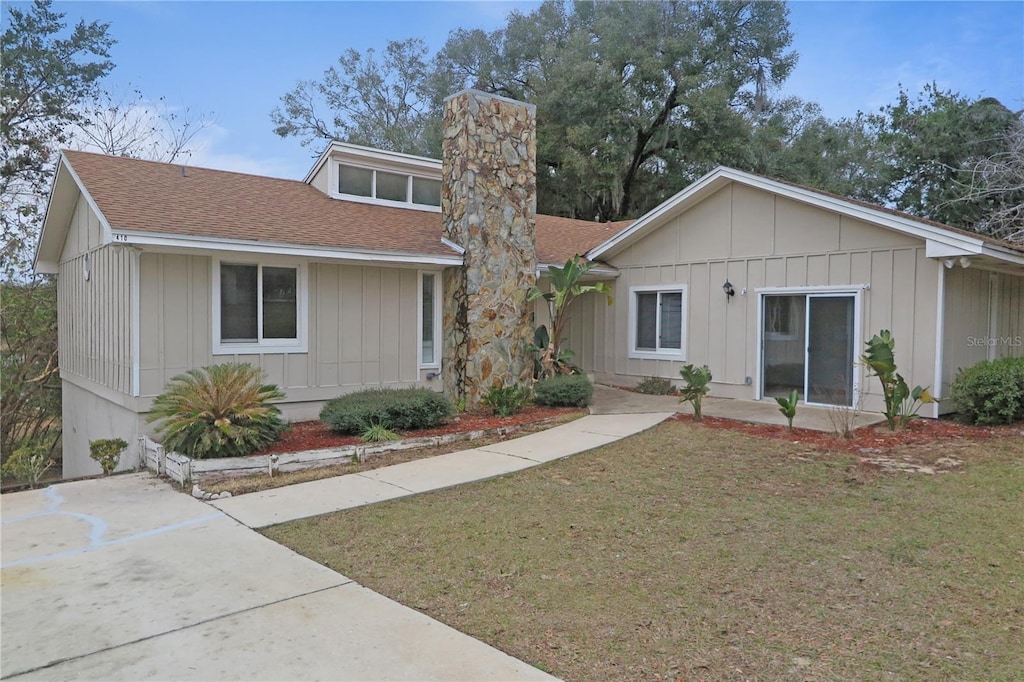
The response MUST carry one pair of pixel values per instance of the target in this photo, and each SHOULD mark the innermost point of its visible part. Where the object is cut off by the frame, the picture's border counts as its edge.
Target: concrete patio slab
(609, 400)
(258, 510)
(445, 471)
(364, 637)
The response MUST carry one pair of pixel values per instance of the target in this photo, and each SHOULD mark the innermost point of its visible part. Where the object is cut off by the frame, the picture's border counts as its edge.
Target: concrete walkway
(258, 510)
(124, 578)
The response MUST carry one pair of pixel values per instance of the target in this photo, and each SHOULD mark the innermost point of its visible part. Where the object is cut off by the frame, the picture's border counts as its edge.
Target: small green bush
(404, 409)
(566, 390)
(218, 411)
(107, 451)
(990, 392)
(506, 400)
(378, 433)
(655, 386)
(27, 464)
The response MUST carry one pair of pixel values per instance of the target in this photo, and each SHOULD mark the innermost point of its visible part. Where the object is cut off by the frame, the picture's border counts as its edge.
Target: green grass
(691, 553)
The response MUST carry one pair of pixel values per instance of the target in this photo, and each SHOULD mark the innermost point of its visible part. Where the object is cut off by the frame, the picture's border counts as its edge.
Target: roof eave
(937, 238)
(196, 243)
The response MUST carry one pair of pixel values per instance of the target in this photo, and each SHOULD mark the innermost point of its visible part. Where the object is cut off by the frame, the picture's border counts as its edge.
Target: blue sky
(235, 59)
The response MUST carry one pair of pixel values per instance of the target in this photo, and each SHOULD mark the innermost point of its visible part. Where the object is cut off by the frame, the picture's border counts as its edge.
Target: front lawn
(689, 552)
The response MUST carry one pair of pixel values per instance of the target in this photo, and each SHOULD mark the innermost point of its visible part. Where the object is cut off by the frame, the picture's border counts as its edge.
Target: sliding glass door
(807, 344)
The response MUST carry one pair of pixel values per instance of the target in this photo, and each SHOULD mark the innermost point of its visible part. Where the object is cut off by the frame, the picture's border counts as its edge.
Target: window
(357, 181)
(386, 186)
(426, 192)
(430, 319)
(258, 306)
(657, 322)
(392, 187)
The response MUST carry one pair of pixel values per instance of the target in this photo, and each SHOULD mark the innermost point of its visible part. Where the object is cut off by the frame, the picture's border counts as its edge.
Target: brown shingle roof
(147, 196)
(559, 239)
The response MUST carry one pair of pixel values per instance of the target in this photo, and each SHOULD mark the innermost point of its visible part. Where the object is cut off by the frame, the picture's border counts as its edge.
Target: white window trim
(298, 345)
(669, 353)
(855, 290)
(334, 190)
(438, 336)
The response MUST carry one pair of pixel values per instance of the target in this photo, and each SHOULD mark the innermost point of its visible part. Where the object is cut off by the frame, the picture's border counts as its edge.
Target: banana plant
(901, 401)
(697, 380)
(787, 406)
(565, 287)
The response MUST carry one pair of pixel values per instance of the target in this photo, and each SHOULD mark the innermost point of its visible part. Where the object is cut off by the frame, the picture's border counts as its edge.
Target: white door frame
(854, 290)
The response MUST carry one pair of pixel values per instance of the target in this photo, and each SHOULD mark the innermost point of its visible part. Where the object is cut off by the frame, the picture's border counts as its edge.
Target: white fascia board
(369, 157)
(320, 161)
(64, 171)
(1002, 253)
(719, 176)
(107, 232)
(663, 210)
(934, 249)
(293, 250)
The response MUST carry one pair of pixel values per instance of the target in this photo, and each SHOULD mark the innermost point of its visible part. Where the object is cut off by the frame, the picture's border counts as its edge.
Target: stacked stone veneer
(489, 205)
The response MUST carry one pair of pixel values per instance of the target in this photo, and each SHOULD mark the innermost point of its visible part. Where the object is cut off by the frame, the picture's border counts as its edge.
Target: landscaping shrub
(218, 411)
(655, 386)
(403, 409)
(990, 392)
(567, 390)
(697, 380)
(27, 464)
(107, 451)
(506, 400)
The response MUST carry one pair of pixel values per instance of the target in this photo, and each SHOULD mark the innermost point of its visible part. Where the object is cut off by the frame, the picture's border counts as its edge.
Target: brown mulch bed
(315, 435)
(875, 438)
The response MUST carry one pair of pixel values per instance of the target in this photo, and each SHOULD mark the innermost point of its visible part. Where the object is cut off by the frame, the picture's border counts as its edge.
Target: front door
(807, 344)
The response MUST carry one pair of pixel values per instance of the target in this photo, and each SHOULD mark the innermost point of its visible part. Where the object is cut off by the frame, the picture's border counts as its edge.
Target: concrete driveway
(123, 578)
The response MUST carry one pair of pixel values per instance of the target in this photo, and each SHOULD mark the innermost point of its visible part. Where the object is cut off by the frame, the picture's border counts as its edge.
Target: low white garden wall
(183, 470)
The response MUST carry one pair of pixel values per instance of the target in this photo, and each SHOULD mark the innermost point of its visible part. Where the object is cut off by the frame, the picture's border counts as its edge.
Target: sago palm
(218, 411)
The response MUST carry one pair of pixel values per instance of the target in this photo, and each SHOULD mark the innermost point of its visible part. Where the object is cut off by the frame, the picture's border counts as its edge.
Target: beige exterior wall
(983, 320)
(362, 331)
(756, 239)
(94, 315)
(89, 415)
(320, 180)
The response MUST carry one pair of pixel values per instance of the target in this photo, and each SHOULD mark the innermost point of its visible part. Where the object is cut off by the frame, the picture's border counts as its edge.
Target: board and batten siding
(756, 239)
(94, 314)
(983, 320)
(362, 329)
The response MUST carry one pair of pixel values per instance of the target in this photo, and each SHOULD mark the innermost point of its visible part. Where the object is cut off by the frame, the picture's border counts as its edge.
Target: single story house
(379, 269)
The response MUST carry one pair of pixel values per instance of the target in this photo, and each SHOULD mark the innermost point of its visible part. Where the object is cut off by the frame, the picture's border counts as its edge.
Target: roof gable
(941, 240)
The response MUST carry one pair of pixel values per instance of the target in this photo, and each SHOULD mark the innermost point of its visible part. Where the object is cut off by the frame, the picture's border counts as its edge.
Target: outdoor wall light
(728, 289)
(965, 262)
(949, 263)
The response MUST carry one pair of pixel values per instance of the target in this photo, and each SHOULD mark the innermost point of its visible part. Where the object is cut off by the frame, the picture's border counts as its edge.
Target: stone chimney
(489, 205)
